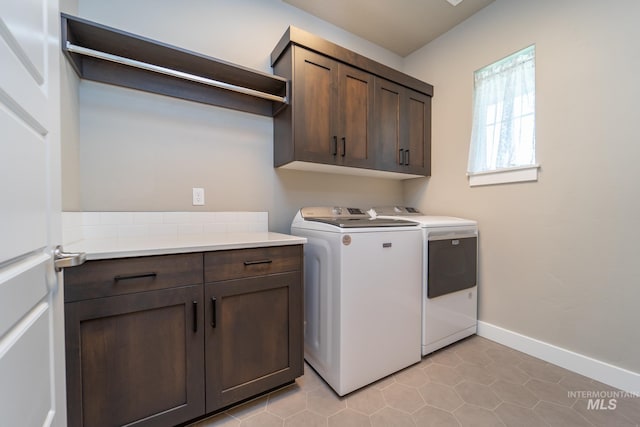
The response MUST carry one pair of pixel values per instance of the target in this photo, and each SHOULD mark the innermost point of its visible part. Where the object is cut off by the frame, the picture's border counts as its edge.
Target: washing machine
(362, 294)
(449, 275)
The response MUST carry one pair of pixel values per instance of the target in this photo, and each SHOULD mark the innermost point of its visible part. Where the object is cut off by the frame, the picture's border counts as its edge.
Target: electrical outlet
(198, 196)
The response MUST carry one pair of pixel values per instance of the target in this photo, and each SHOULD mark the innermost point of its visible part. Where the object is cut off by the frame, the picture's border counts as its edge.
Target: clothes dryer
(449, 275)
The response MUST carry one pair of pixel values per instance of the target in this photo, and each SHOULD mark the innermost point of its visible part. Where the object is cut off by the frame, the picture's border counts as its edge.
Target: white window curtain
(503, 132)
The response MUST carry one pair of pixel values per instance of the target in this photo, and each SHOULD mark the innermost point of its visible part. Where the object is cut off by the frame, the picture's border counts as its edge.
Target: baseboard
(600, 371)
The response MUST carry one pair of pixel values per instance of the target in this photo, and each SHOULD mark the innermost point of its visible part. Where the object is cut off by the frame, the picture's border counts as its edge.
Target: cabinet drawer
(240, 263)
(102, 278)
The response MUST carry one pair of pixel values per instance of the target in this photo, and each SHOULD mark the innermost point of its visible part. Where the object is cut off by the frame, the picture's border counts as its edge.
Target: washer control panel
(332, 212)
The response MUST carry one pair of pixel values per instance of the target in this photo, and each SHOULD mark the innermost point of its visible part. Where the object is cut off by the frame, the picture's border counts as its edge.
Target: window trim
(504, 176)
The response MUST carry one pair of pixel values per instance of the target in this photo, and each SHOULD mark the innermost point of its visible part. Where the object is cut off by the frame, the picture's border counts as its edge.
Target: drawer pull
(260, 261)
(134, 276)
(213, 312)
(195, 316)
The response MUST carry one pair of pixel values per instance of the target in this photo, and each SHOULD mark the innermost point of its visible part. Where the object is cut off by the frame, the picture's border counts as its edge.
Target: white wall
(70, 159)
(143, 152)
(558, 257)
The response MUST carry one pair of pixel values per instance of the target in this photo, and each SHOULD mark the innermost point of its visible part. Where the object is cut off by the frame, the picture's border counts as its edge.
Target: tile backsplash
(112, 225)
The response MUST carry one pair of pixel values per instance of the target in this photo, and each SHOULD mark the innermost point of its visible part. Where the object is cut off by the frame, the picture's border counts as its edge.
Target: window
(503, 142)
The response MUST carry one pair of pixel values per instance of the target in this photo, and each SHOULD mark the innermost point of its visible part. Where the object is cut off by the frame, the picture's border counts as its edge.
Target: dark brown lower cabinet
(135, 359)
(147, 340)
(253, 332)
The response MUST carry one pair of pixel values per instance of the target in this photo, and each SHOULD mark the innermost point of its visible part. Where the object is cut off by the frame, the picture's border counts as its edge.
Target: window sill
(504, 176)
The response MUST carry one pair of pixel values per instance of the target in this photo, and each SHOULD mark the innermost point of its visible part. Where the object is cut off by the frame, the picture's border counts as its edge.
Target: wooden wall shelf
(112, 56)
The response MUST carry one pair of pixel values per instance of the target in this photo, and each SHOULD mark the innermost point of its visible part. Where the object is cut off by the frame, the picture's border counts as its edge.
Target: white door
(32, 382)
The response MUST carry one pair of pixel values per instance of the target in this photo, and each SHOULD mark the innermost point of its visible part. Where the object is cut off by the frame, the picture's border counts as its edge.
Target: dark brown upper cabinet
(112, 56)
(332, 110)
(402, 128)
(347, 110)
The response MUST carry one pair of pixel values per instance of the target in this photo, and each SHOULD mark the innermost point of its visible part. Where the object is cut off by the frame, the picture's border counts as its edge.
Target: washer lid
(362, 222)
(343, 217)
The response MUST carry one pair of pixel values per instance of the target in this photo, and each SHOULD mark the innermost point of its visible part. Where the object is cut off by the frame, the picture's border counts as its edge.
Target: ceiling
(402, 26)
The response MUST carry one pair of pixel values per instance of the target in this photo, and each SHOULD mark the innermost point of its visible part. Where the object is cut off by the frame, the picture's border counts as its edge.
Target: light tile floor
(475, 382)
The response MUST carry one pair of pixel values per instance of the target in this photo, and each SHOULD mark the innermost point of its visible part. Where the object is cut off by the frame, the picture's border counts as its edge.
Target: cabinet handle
(401, 156)
(134, 276)
(344, 146)
(213, 312)
(335, 146)
(195, 316)
(406, 161)
(260, 261)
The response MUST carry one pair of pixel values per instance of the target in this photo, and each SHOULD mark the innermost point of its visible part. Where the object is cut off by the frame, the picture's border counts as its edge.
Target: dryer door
(452, 265)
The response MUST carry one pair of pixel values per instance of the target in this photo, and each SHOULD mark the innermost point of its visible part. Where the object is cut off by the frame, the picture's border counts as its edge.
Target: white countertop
(124, 247)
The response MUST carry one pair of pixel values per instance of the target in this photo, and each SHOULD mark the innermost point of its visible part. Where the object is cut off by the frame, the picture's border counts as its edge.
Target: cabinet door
(314, 103)
(388, 125)
(253, 340)
(136, 359)
(355, 133)
(402, 128)
(417, 115)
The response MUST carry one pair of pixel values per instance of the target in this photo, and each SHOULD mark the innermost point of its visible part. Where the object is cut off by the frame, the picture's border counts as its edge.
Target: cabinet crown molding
(299, 37)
